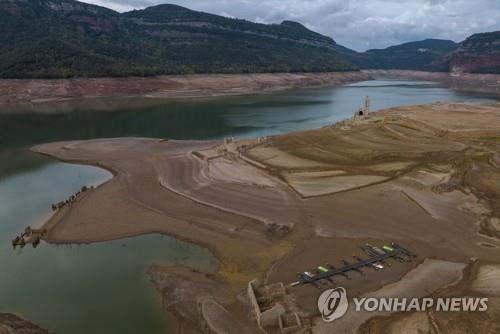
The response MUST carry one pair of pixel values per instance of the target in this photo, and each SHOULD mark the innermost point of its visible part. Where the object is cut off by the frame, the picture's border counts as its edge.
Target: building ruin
(365, 110)
(274, 309)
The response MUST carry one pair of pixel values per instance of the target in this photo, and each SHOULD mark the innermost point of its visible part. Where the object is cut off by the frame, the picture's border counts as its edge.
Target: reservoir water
(101, 288)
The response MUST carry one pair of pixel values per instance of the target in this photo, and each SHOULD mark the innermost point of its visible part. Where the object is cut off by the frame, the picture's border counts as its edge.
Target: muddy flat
(269, 208)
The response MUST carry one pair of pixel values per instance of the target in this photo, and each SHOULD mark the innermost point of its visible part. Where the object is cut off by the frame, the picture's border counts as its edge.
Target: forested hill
(479, 53)
(65, 38)
(408, 56)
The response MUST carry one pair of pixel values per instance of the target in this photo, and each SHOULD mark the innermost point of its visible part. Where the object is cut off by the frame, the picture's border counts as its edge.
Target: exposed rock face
(475, 64)
(480, 53)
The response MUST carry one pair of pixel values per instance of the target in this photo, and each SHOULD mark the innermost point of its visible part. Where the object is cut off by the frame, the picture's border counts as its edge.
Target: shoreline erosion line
(334, 224)
(46, 96)
(64, 95)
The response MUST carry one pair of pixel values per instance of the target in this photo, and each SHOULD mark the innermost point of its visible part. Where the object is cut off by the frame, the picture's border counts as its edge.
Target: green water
(101, 288)
(97, 288)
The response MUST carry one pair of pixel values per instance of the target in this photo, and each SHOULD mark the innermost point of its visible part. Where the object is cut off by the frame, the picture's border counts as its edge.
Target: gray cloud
(358, 24)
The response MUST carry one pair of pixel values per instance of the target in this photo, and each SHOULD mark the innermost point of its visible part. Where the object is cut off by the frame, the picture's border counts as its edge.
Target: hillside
(407, 56)
(480, 53)
(66, 38)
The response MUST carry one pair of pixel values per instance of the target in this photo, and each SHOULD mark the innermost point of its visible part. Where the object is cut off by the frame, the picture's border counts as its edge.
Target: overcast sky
(358, 24)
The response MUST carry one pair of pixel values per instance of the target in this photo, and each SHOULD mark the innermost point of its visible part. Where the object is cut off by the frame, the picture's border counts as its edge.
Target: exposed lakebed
(101, 288)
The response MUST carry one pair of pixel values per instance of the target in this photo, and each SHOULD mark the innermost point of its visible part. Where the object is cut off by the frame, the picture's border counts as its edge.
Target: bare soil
(434, 199)
(64, 95)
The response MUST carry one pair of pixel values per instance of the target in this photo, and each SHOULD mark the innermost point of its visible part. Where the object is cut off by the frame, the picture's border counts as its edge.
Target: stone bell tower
(365, 110)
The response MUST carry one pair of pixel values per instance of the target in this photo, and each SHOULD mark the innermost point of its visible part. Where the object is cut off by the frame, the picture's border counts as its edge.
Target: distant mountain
(479, 53)
(408, 56)
(66, 38)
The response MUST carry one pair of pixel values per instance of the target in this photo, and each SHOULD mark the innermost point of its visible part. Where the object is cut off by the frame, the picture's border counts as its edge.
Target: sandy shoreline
(438, 162)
